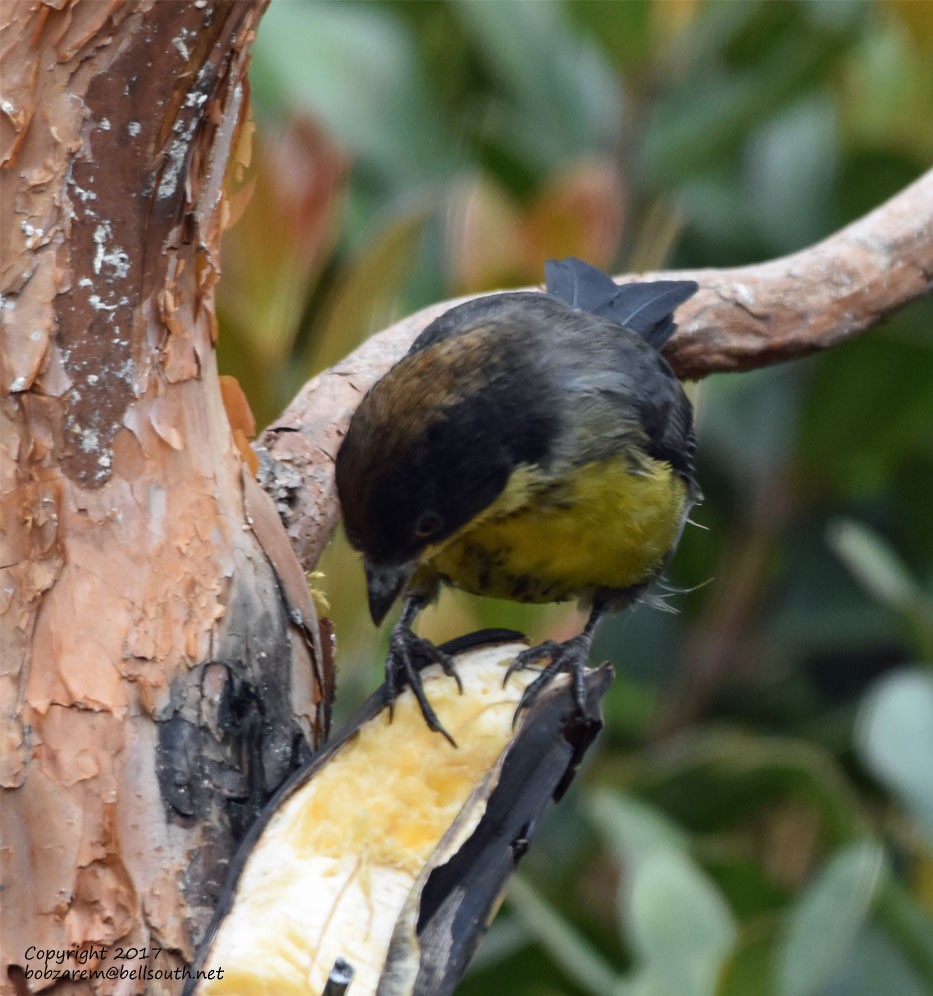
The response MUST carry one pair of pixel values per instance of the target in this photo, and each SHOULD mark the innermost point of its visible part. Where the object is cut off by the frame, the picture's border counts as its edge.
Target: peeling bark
(161, 669)
(741, 318)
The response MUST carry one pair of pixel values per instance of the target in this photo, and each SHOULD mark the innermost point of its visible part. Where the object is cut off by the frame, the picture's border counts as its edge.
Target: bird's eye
(428, 525)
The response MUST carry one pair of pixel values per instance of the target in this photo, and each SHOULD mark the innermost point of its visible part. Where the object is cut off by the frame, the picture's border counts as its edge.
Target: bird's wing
(621, 389)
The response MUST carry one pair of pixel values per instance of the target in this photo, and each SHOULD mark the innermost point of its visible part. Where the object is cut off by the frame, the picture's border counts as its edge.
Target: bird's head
(419, 461)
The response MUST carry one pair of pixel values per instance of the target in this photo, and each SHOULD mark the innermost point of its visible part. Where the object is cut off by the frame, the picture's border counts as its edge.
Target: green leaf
(557, 95)
(873, 562)
(881, 572)
(673, 915)
(711, 112)
(894, 738)
(632, 829)
(876, 967)
(792, 160)
(826, 921)
(355, 69)
(680, 925)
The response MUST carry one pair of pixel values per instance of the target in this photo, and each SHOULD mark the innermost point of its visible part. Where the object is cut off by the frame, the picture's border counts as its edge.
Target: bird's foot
(409, 654)
(571, 656)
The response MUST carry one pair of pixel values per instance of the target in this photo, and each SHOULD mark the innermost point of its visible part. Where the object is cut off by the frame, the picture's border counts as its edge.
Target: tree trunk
(161, 669)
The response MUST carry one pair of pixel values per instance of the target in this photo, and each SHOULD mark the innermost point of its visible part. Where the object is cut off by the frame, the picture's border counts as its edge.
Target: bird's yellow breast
(606, 525)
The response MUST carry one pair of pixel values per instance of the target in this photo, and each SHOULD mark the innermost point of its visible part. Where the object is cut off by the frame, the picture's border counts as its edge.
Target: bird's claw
(571, 656)
(409, 654)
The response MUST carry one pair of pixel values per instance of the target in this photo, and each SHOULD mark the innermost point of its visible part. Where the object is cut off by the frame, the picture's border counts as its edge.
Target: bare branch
(766, 313)
(742, 318)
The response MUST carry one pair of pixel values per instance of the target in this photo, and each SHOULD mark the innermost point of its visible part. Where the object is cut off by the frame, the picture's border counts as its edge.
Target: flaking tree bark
(161, 669)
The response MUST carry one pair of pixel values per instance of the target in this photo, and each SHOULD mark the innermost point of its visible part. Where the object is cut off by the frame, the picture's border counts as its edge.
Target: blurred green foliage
(757, 819)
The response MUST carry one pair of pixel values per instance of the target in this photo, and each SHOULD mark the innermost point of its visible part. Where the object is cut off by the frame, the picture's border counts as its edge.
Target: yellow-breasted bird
(531, 446)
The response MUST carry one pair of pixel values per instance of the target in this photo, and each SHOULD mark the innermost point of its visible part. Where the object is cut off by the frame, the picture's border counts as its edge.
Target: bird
(533, 446)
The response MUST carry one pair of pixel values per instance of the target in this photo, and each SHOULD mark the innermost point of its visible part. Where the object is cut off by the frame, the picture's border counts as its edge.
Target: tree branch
(742, 318)
(753, 316)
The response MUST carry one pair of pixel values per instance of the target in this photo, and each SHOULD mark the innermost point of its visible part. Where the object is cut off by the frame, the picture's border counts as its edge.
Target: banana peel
(389, 853)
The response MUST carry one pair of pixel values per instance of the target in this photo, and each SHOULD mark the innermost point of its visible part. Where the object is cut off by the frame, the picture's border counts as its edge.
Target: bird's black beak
(383, 585)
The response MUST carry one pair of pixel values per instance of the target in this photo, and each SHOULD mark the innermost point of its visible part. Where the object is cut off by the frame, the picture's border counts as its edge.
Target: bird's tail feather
(645, 308)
